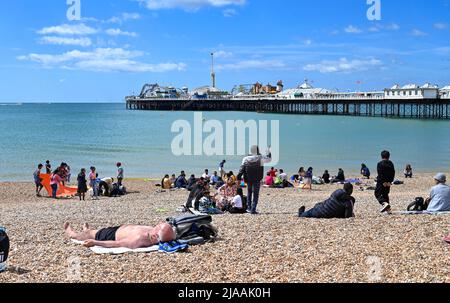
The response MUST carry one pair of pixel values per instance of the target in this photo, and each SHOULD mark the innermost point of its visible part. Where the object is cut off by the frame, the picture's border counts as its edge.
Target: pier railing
(370, 107)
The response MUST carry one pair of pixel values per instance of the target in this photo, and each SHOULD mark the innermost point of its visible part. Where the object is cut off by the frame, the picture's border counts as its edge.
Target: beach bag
(189, 228)
(418, 205)
(4, 248)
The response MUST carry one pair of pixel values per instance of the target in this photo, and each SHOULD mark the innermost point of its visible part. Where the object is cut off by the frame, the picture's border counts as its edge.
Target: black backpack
(4, 246)
(418, 205)
(192, 228)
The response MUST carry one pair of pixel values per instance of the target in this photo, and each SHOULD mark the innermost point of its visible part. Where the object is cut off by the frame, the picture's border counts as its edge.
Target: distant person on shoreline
(340, 178)
(55, 180)
(82, 184)
(120, 174)
(93, 183)
(365, 172)
(38, 180)
(386, 176)
(222, 169)
(408, 171)
(307, 181)
(48, 167)
(181, 181)
(206, 175)
(326, 177)
(165, 182)
(340, 205)
(69, 173)
(252, 170)
(127, 236)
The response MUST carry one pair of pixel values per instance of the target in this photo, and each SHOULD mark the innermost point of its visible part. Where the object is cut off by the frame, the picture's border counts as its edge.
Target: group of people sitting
(229, 198)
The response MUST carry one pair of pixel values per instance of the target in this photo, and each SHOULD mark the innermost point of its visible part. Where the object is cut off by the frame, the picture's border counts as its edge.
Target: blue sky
(117, 46)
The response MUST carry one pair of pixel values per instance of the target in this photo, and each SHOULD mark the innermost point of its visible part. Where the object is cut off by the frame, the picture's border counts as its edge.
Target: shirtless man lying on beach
(127, 236)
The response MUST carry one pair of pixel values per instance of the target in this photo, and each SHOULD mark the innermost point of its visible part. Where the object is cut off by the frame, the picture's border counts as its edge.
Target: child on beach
(120, 174)
(54, 183)
(48, 167)
(93, 182)
(408, 171)
(308, 179)
(82, 184)
(239, 203)
(38, 180)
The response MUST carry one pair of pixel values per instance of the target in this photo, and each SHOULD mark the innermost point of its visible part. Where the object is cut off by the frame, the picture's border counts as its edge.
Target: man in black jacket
(386, 176)
(252, 170)
(340, 206)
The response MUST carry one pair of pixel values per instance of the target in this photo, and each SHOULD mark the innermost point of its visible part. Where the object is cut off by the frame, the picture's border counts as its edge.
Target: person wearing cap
(439, 199)
(252, 170)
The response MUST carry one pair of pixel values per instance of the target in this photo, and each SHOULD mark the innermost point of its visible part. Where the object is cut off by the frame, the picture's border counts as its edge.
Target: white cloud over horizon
(189, 5)
(343, 65)
(69, 30)
(119, 32)
(83, 41)
(101, 60)
(253, 64)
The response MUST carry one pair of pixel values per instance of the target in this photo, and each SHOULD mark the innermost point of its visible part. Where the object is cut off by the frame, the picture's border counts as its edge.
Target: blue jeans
(54, 190)
(253, 196)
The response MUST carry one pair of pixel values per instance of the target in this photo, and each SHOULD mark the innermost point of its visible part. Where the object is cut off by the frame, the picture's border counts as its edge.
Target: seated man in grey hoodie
(252, 170)
(340, 206)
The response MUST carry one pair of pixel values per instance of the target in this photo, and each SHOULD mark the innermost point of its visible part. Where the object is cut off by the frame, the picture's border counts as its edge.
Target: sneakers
(386, 207)
(172, 247)
(301, 211)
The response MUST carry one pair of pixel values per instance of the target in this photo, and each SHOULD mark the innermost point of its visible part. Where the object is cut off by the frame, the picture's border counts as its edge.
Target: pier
(369, 107)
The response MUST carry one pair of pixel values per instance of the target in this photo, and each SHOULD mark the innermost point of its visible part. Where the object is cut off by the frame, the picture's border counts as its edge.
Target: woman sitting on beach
(82, 184)
(268, 181)
(408, 171)
(340, 177)
(166, 183)
(365, 172)
(227, 193)
(307, 183)
(301, 174)
(326, 177)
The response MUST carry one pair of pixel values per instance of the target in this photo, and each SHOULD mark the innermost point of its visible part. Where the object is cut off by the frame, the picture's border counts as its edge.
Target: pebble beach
(272, 247)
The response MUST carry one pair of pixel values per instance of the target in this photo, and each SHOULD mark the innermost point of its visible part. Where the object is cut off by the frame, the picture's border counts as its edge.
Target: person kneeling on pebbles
(125, 236)
(340, 205)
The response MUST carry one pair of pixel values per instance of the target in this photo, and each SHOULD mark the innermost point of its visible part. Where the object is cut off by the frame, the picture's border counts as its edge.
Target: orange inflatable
(63, 191)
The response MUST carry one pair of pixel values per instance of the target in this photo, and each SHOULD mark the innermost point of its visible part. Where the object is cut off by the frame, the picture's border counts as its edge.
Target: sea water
(100, 135)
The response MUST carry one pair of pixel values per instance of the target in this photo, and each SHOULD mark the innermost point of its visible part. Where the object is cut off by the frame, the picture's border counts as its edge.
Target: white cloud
(189, 5)
(223, 54)
(119, 32)
(253, 64)
(343, 65)
(123, 18)
(418, 33)
(101, 59)
(66, 29)
(353, 30)
(441, 26)
(66, 41)
(229, 12)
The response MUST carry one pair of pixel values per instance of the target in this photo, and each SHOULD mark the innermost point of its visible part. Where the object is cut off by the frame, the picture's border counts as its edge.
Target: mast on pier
(213, 74)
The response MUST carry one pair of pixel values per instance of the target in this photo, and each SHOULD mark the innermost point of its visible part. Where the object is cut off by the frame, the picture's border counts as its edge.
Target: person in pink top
(269, 180)
(54, 182)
